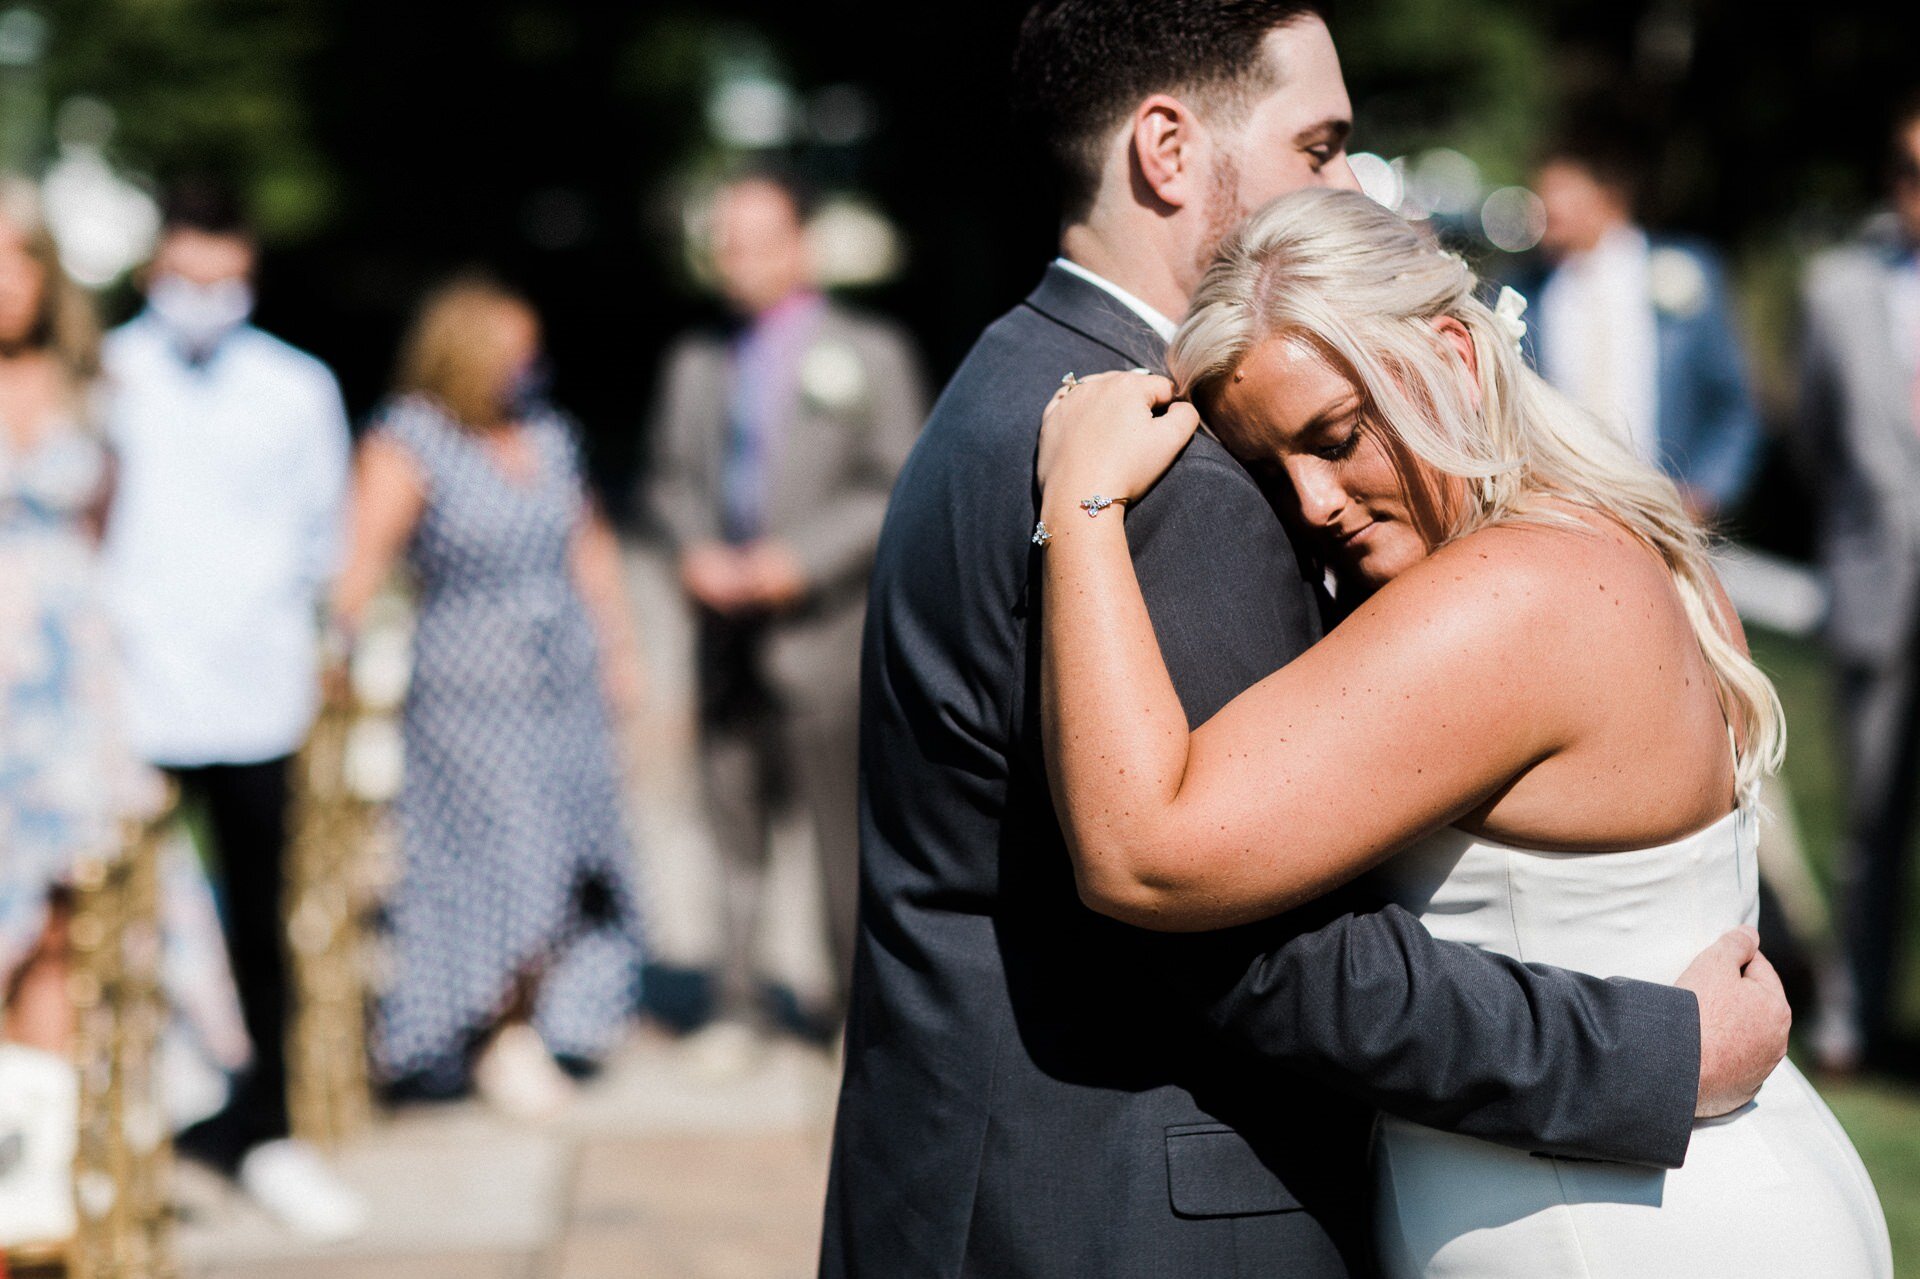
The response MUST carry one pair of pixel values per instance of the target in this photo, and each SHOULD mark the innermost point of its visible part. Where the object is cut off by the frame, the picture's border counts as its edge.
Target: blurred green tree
(1473, 75)
(219, 88)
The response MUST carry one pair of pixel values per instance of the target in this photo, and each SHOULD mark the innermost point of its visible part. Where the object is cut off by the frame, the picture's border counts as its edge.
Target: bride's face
(1302, 427)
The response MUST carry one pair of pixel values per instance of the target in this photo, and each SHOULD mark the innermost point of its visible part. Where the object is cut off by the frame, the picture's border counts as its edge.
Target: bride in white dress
(1520, 732)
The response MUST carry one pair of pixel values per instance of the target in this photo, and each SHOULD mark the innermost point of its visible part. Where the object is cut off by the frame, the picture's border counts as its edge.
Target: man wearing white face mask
(232, 453)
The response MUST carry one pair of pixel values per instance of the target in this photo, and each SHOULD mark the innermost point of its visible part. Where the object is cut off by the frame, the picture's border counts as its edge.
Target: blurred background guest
(232, 449)
(516, 928)
(67, 775)
(776, 445)
(1639, 329)
(1860, 435)
(56, 735)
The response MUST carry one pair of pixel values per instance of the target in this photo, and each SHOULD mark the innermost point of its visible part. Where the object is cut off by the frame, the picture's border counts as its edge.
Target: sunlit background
(565, 145)
(569, 147)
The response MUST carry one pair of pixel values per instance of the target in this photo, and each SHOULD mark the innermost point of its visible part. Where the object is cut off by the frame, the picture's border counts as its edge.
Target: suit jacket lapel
(1098, 316)
(1894, 390)
(804, 470)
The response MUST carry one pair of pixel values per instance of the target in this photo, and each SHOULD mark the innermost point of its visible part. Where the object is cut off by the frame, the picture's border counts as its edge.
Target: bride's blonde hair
(1363, 285)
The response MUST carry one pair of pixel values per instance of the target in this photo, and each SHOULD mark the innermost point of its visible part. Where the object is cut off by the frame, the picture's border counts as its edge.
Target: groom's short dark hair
(201, 204)
(1081, 66)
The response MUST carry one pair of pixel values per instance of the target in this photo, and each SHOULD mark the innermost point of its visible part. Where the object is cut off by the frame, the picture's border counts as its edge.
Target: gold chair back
(327, 898)
(123, 1159)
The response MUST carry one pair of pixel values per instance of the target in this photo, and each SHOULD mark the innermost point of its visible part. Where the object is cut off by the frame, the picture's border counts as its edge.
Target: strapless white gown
(1775, 1189)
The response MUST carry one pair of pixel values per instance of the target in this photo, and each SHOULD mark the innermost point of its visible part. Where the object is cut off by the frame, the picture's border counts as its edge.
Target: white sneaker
(39, 1110)
(517, 1076)
(723, 1051)
(292, 1182)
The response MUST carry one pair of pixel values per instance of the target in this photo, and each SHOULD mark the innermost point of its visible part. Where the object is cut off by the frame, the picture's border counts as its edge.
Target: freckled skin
(1506, 690)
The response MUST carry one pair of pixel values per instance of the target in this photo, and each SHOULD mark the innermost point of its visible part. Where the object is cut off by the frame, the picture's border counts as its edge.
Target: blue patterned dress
(62, 783)
(516, 864)
(67, 777)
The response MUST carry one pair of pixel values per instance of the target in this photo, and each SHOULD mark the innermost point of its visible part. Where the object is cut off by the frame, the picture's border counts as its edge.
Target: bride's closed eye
(1341, 449)
(1339, 452)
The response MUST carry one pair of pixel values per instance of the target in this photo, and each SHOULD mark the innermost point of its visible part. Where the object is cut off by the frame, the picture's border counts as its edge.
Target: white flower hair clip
(1507, 312)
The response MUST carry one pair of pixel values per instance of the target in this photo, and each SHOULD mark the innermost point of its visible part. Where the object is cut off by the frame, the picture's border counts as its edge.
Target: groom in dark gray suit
(1032, 1089)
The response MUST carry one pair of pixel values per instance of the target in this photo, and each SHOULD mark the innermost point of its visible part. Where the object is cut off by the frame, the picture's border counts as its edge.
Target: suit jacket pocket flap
(1213, 1172)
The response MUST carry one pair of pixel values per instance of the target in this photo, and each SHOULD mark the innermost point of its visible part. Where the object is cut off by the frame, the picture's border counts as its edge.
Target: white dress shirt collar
(1622, 252)
(1903, 303)
(1153, 319)
(1603, 344)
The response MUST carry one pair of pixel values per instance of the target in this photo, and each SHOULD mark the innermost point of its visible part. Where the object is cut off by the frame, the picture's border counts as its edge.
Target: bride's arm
(1428, 699)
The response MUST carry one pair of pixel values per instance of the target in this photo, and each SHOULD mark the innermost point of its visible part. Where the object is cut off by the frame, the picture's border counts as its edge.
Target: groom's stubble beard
(1224, 212)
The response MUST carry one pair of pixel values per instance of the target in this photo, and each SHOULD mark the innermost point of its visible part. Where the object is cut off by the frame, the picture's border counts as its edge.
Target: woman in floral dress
(67, 780)
(61, 786)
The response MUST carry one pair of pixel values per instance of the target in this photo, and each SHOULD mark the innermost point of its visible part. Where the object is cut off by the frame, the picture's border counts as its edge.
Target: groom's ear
(1167, 149)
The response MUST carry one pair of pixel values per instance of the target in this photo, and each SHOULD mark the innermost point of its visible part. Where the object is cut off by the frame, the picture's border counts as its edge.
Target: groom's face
(1294, 137)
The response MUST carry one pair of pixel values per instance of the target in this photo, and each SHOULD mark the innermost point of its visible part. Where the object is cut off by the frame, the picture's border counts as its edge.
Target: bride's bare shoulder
(1555, 541)
(1525, 580)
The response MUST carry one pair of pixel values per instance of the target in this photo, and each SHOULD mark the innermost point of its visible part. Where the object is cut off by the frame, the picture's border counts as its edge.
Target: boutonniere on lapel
(1677, 283)
(831, 378)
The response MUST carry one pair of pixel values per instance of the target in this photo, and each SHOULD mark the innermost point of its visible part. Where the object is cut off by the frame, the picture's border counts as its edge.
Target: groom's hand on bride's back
(1744, 1020)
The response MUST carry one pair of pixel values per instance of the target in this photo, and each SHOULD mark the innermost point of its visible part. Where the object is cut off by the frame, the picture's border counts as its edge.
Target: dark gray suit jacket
(1034, 1090)
(1860, 445)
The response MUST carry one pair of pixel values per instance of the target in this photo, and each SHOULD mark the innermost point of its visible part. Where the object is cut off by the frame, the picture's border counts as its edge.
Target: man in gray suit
(776, 446)
(1033, 1089)
(1860, 433)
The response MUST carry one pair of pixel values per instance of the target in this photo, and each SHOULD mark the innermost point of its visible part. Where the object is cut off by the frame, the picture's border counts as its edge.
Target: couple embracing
(1195, 942)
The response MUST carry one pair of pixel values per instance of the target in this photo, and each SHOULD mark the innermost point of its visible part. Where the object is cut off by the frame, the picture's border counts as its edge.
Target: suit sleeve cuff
(1660, 1089)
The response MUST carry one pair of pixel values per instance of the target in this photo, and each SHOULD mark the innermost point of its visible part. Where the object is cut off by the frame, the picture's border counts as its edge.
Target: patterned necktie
(743, 471)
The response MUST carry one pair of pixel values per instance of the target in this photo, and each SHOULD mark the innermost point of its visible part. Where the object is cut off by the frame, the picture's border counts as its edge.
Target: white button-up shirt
(225, 526)
(1603, 347)
(1154, 320)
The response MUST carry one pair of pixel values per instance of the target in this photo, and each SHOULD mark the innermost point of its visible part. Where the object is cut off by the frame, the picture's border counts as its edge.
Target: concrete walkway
(660, 1171)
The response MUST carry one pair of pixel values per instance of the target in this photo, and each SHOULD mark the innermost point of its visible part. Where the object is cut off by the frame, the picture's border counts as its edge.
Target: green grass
(1884, 1121)
(1881, 1115)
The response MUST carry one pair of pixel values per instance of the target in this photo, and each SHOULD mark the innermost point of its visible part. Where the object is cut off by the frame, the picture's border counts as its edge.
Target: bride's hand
(1113, 435)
